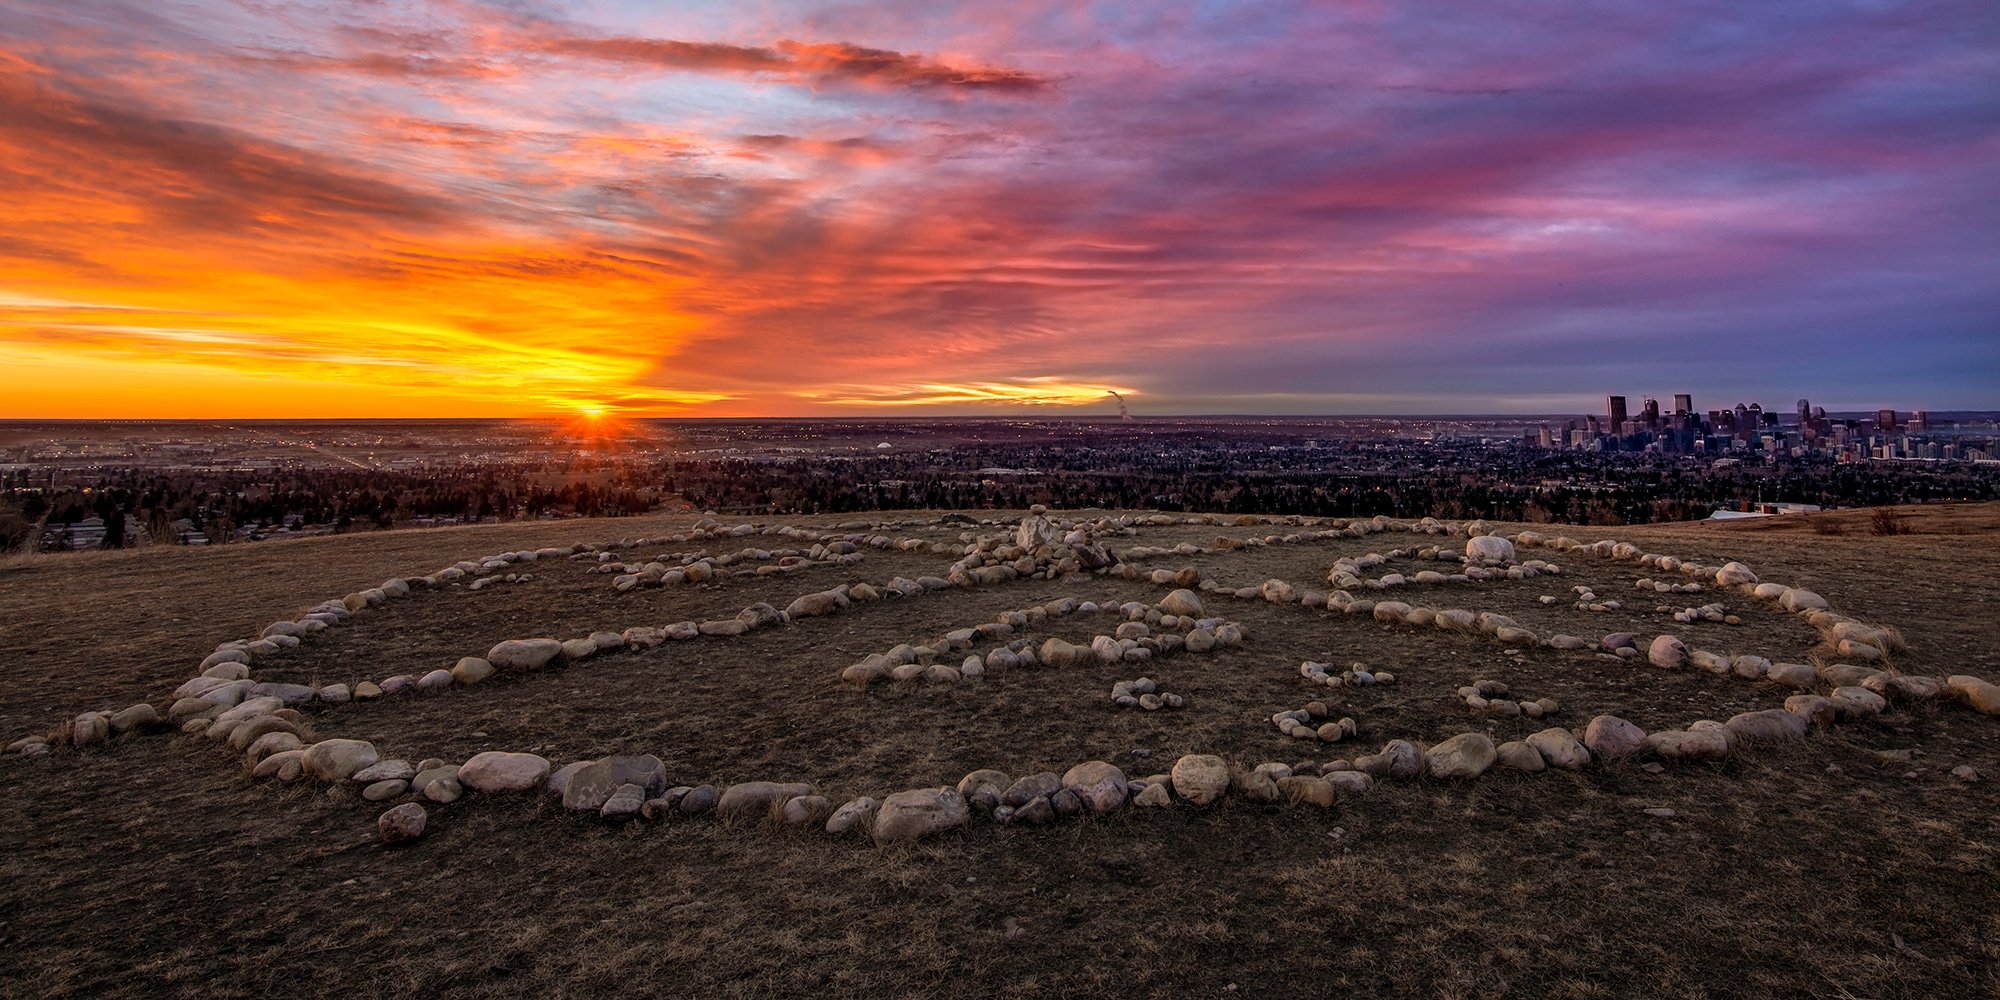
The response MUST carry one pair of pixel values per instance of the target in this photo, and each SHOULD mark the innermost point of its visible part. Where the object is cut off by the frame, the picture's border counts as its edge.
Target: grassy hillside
(1849, 863)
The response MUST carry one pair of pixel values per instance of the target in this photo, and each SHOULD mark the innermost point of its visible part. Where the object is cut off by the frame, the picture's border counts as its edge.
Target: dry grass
(1816, 869)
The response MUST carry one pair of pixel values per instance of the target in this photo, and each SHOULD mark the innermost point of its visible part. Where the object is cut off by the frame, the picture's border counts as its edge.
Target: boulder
(471, 670)
(1181, 602)
(1305, 790)
(1466, 755)
(1981, 695)
(919, 813)
(1857, 702)
(1200, 779)
(140, 716)
(1770, 724)
(593, 784)
(524, 654)
(335, 760)
(1489, 548)
(1611, 736)
(982, 789)
(403, 823)
(1667, 652)
(1793, 675)
(1814, 709)
(1099, 785)
(857, 816)
(755, 800)
(1695, 744)
(1560, 748)
(624, 802)
(1034, 786)
(825, 602)
(1517, 755)
(497, 771)
(1733, 574)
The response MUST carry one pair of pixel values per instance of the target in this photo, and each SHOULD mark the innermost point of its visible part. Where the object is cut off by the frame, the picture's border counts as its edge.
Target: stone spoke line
(258, 720)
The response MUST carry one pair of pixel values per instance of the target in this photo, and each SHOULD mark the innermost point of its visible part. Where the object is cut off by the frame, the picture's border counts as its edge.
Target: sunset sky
(404, 208)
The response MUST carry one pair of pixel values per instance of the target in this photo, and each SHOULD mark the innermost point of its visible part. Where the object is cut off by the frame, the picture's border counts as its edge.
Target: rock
(1814, 709)
(1034, 786)
(857, 816)
(757, 800)
(403, 823)
(471, 670)
(1200, 779)
(251, 730)
(388, 788)
(384, 770)
(1181, 602)
(1299, 789)
(1065, 803)
(444, 790)
(496, 771)
(918, 813)
(580, 649)
(1857, 702)
(1770, 724)
(558, 782)
(290, 694)
(699, 800)
(1733, 574)
(1057, 653)
(524, 654)
(436, 680)
(1349, 781)
(1966, 773)
(1695, 744)
(270, 743)
(1667, 652)
(436, 772)
(1982, 696)
(1153, 796)
(1611, 736)
(334, 760)
(593, 784)
(1466, 755)
(1099, 785)
(1793, 675)
(336, 694)
(1519, 756)
(1802, 601)
(1489, 548)
(813, 605)
(140, 716)
(624, 802)
(982, 789)
(1405, 761)
(1560, 748)
(275, 764)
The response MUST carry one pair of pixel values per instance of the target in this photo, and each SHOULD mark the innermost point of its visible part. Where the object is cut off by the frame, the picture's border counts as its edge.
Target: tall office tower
(1885, 420)
(1596, 425)
(1805, 413)
(1544, 439)
(1742, 418)
(1614, 411)
(1920, 421)
(1683, 404)
(1650, 413)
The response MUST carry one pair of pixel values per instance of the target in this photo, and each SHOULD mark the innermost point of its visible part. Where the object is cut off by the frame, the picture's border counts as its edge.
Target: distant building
(1885, 420)
(1683, 404)
(1614, 412)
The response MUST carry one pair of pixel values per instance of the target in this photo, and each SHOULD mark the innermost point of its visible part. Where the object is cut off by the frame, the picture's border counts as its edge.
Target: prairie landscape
(1853, 858)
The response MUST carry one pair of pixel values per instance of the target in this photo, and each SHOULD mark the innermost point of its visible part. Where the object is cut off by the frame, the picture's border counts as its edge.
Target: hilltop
(1833, 862)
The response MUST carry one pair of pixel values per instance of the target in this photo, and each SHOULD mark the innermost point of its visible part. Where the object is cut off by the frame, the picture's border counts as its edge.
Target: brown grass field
(1847, 864)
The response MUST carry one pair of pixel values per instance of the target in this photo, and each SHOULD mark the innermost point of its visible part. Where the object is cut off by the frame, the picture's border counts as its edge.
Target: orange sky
(455, 208)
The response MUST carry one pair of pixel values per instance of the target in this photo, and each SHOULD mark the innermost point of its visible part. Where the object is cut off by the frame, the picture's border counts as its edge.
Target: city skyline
(399, 209)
